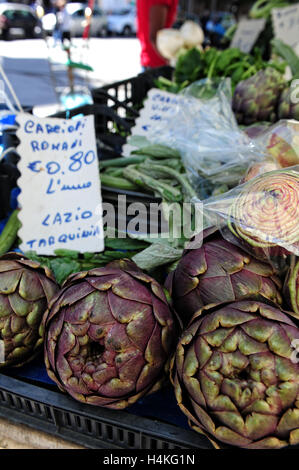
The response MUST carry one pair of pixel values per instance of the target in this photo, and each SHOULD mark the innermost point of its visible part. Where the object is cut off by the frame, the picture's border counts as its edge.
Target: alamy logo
(295, 92)
(171, 221)
(2, 352)
(2, 93)
(295, 353)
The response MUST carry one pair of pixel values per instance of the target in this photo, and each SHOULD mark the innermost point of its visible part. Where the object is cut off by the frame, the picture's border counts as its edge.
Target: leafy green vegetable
(66, 262)
(63, 267)
(189, 66)
(213, 64)
(157, 255)
(125, 244)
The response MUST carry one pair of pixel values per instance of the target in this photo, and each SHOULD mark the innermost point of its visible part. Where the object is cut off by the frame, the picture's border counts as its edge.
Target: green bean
(9, 233)
(166, 191)
(187, 188)
(119, 183)
(122, 161)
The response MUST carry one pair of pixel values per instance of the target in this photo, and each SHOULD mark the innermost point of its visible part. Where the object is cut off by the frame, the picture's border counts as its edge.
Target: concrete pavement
(18, 436)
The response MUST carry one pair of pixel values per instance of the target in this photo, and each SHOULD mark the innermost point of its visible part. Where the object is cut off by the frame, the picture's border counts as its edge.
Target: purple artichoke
(219, 272)
(25, 291)
(109, 335)
(236, 375)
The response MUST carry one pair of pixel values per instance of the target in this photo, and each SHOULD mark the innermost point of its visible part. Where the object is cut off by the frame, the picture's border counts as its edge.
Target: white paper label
(60, 185)
(158, 106)
(247, 33)
(286, 24)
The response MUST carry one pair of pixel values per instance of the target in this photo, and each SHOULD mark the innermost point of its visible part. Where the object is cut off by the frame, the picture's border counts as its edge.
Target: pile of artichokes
(265, 96)
(109, 332)
(256, 99)
(236, 367)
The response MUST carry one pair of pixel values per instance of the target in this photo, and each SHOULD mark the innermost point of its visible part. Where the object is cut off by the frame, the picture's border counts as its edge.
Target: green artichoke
(291, 289)
(287, 108)
(219, 272)
(256, 98)
(25, 291)
(236, 375)
(109, 334)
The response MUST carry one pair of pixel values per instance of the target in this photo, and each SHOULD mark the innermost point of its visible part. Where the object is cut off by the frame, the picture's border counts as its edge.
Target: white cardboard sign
(60, 185)
(286, 24)
(247, 33)
(158, 106)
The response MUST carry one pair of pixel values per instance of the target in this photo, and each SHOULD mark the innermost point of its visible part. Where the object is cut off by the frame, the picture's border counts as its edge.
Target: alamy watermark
(294, 91)
(2, 93)
(2, 352)
(295, 353)
(165, 220)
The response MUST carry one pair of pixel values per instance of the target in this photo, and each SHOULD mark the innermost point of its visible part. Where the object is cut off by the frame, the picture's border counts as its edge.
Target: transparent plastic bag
(204, 130)
(280, 144)
(261, 216)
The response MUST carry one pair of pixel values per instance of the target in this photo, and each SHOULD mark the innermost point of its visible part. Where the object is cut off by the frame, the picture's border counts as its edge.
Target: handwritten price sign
(286, 24)
(158, 106)
(60, 185)
(247, 33)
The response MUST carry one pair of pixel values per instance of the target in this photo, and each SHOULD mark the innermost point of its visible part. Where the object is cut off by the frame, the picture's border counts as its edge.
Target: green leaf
(157, 255)
(124, 244)
(187, 64)
(63, 267)
(287, 53)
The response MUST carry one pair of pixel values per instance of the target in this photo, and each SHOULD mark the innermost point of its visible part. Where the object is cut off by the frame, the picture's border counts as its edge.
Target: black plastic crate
(116, 108)
(126, 97)
(93, 427)
(8, 171)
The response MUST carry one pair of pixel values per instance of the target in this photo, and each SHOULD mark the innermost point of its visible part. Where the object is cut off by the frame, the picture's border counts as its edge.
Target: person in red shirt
(153, 15)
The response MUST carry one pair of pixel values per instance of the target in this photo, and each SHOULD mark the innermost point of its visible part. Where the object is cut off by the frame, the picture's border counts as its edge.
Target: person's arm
(158, 17)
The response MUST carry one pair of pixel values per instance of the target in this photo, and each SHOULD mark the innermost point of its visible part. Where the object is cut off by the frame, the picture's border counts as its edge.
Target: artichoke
(287, 107)
(291, 289)
(236, 375)
(265, 213)
(109, 334)
(25, 291)
(219, 272)
(256, 98)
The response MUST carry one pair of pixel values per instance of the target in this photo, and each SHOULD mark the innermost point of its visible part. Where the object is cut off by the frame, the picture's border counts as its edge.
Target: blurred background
(36, 64)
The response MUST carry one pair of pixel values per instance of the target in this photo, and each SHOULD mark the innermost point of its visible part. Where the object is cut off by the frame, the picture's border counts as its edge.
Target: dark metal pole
(190, 6)
(213, 5)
